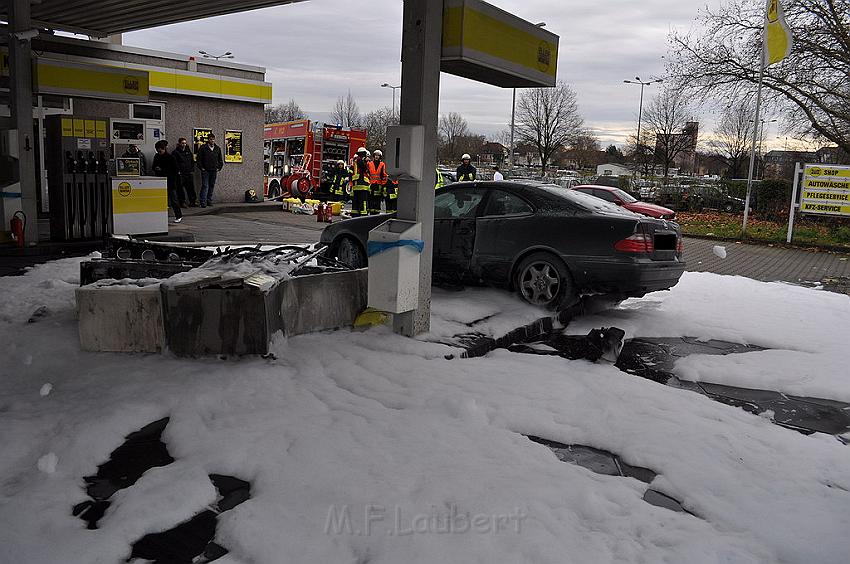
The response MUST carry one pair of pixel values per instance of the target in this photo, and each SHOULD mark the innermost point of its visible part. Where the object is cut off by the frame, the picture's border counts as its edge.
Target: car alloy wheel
(540, 283)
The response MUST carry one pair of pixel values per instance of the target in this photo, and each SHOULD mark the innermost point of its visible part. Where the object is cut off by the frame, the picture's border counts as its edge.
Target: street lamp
(385, 85)
(643, 84)
(513, 117)
(227, 55)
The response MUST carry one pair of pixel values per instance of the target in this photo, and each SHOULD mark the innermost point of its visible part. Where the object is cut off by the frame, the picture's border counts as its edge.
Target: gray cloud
(318, 50)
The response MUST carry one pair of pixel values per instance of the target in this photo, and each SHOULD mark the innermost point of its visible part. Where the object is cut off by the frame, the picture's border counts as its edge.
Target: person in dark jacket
(133, 152)
(165, 165)
(210, 162)
(186, 171)
(465, 172)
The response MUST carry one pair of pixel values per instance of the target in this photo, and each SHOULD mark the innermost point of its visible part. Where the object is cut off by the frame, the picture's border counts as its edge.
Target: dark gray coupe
(549, 244)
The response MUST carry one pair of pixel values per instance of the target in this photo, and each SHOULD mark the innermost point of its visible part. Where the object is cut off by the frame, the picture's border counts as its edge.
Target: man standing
(133, 152)
(465, 172)
(164, 164)
(360, 183)
(377, 181)
(186, 169)
(210, 162)
(498, 176)
(391, 195)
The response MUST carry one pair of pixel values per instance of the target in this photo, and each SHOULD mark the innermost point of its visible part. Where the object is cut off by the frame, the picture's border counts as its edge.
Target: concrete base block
(243, 320)
(120, 318)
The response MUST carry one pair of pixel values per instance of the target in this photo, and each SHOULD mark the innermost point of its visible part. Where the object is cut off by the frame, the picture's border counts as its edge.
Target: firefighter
(465, 172)
(391, 195)
(360, 183)
(339, 178)
(377, 180)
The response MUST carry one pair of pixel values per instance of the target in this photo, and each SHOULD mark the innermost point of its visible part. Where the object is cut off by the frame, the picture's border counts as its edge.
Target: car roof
(597, 187)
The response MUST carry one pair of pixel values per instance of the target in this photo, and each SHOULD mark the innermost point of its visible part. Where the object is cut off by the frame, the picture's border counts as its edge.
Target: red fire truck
(300, 154)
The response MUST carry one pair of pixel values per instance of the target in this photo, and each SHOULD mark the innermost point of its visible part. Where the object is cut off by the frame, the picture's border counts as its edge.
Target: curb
(782, 245)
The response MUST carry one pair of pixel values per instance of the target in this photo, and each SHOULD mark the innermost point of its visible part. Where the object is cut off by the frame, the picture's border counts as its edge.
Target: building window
(147, 111)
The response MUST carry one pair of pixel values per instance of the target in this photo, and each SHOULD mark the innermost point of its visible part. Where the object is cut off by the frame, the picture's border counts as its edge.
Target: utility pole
(513, 118)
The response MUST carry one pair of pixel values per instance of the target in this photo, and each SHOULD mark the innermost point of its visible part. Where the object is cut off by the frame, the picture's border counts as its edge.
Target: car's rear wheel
(543, 279)
(350, 252)
(729, 207)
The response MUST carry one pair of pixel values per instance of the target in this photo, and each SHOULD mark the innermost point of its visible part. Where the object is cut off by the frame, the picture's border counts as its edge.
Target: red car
(617, 196)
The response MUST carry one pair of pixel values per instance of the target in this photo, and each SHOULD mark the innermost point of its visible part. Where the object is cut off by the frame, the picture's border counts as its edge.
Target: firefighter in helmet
(465, 172)
(391, 195)
(339, 178)
(360, 183)
(377, 180)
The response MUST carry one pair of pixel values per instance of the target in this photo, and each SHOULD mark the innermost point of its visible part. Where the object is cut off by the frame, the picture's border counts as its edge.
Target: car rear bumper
(631, 278)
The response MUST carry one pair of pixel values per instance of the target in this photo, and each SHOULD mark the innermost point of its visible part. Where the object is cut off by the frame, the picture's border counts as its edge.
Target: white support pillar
(20, 65)
(421, 46)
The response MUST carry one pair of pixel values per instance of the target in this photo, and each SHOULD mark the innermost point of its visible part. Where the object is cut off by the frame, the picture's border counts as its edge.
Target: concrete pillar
(20, 65)
(421, 45)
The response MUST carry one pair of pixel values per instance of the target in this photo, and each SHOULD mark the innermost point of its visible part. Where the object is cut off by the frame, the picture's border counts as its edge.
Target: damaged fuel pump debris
(148, 297)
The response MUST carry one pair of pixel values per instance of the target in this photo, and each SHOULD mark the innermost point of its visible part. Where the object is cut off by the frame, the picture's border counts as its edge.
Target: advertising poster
(199, 137)
(232, 146)
(826, 190)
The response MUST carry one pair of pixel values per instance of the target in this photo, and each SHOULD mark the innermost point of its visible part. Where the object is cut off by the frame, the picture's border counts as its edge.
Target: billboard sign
(826, 190)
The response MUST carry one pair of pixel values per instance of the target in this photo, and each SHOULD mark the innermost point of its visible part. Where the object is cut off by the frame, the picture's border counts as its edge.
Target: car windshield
(580, 199)
(625, 196)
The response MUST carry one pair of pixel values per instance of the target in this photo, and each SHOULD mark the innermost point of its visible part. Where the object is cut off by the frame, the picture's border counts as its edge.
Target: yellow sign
(94, 81)
(824, 208)
(232, 146)
(487, 44)
(100, 129)
(778, 40)
(826, 189)
(199, 137)
(124, 189)
(79, 128)
(67, 127)
(89, 128)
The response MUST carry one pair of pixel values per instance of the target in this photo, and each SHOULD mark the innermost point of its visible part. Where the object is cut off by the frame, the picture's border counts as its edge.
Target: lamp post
(227, 55)
(513, 118)
(643, 84)
(761, 139)
(385, 85)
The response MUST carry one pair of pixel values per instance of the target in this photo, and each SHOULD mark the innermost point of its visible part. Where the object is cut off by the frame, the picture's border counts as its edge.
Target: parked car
(549, 244)
(621, 198)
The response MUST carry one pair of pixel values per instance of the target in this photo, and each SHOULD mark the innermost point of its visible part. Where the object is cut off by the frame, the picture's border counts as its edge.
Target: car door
(505, 227)
(455, 210)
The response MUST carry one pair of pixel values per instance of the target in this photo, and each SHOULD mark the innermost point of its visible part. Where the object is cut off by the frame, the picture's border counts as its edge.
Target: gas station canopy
(100, 18)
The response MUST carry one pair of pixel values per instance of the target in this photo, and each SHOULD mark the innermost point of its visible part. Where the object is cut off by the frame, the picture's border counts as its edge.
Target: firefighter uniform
(441, 181)
(465, 172)
(338, 181)
(360, 186)
(391, 195)
(377, 180)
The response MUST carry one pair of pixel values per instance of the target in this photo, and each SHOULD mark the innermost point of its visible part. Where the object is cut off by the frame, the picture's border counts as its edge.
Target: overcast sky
(317, 50)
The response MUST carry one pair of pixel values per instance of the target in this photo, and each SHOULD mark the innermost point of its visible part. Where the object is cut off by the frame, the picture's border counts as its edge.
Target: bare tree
(290, 111)
(584, 149)
(732, 138)
(451, 126)
(346, 112)
(376, 123)
(668, 119)
(548, 118)
(720, 60)
(641, 152)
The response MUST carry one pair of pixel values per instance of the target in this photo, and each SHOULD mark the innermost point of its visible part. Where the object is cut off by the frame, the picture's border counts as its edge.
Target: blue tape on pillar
(10, 194)
(375, 247)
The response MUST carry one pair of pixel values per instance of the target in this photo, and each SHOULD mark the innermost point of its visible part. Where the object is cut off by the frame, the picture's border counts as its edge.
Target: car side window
(505, 203)
(605, 195)
(457, 204)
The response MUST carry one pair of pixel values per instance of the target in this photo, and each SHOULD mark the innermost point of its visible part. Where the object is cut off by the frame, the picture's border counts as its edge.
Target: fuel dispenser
(77, 153)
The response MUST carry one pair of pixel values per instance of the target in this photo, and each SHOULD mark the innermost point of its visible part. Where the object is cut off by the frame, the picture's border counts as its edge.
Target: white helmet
(466, 157)
(363, 150)
(341, 162)
(378, 153)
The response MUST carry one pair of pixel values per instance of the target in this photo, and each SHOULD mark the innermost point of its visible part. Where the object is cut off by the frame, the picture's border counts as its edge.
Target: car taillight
(637, 243)
(680, 245)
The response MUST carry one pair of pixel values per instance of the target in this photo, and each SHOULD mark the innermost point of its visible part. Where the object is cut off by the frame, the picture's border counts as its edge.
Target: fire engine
(300, 154)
